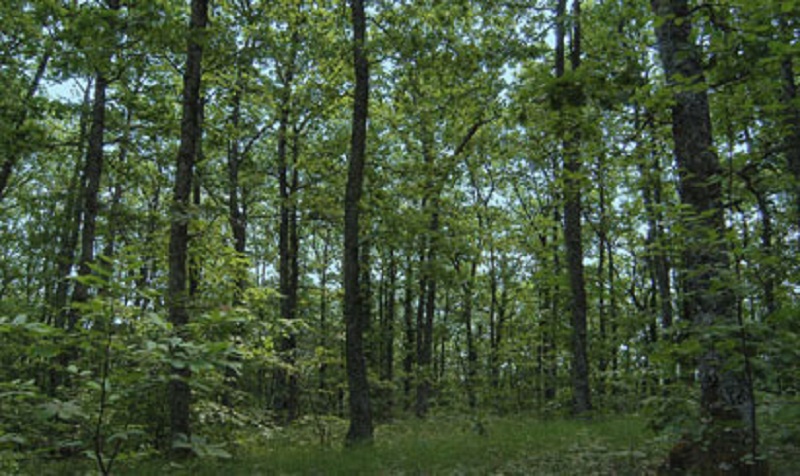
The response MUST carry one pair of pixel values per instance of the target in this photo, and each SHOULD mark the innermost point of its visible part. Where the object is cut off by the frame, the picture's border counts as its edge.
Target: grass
(440, 445)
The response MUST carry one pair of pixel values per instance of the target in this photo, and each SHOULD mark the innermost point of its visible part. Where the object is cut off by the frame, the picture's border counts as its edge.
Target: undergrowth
(438, 445)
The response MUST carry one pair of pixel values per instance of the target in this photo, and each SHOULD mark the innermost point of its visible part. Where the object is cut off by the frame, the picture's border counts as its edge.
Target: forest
(400, 237)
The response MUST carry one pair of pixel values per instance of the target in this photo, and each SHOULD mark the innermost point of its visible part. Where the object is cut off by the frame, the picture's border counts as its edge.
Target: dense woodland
(224, 218)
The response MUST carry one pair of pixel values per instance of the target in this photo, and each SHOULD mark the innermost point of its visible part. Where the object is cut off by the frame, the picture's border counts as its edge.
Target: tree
(727, 402)
(360, 430)
(92, 173)
(177, 292)
(288, 238)
(15, 128)
(568, 94)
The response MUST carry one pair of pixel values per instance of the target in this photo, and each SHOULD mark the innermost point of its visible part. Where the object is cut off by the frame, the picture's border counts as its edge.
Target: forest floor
(437, 446)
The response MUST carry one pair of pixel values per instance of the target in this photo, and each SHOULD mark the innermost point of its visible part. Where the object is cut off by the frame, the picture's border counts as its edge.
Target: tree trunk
(387, 334)
(581, 396)
(177, 294)
(727, 403)
(409, 348)
(658, 261)
(425, 315)
(92, 174)
(360, 430)
(18, 136)
(323, 318)
(236, 215)
(472, 353)
(72, 224)
(286, 401)
(494, 331)
(791, 121)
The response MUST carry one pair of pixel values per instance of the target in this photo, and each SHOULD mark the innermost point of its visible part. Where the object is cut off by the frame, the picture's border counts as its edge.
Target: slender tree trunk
(387, 334)
(365, 281)
(92, 174)
(502, 316)
(177, 293)
(612, 306)
(581, 396)
(360, 430)
(658, 261)
(286, 402)
(425, 316)
(236, 215)
(68, 246)
(472, 353)
(195, 263)
(114, 219)
(18, 134)
(323, 315)
(727, 403)
(791, 121)
(602, 247)
(494, 331)
(72, 223)
(441, 362)
(552, 306)
(768, 276)
(409, 348)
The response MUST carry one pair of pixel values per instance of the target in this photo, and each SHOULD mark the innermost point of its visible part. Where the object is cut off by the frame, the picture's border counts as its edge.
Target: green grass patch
(438, 445)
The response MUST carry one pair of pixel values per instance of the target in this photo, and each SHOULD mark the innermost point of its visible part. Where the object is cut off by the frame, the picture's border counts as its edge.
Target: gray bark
(727, 403)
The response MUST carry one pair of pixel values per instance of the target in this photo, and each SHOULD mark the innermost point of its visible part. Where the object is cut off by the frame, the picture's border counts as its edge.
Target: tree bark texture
(581, 395)
(177, 293)
(360, 429)
(727, 403)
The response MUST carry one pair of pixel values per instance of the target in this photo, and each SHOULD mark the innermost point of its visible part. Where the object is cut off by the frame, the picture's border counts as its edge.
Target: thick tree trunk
(177, 293)
(727, 402)
(360, 430)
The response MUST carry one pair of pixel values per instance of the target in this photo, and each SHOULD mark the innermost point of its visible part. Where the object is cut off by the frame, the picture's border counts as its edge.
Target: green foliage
(467, 123)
